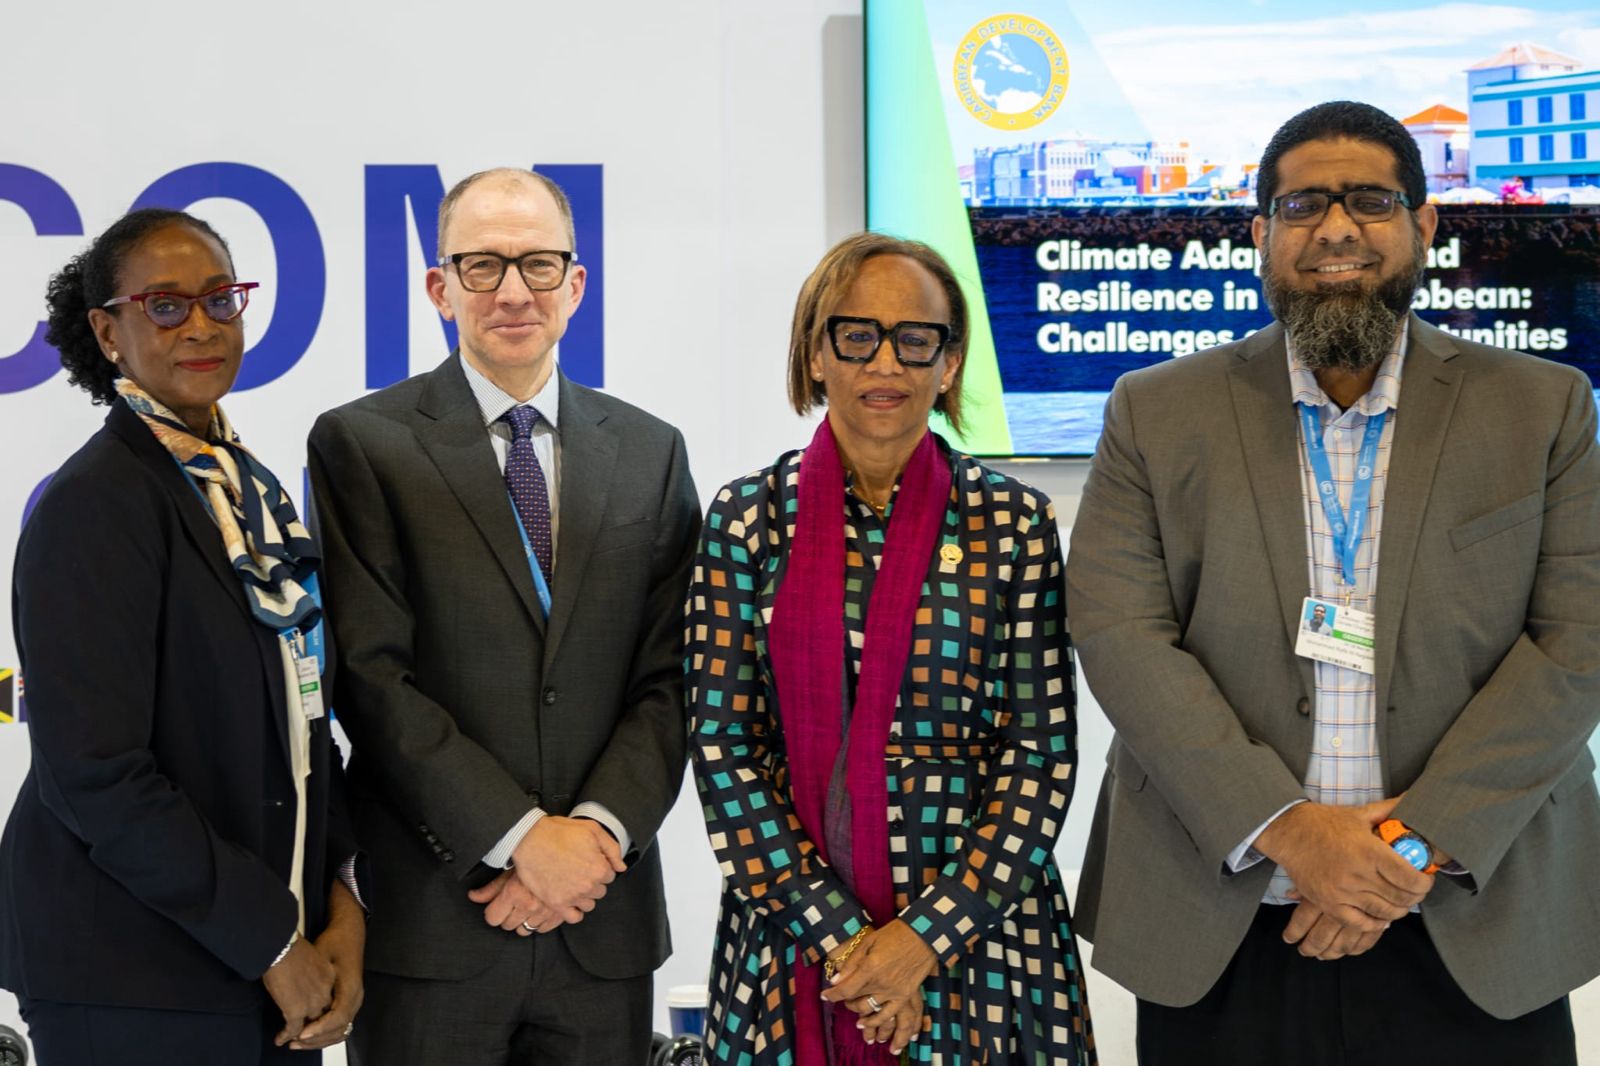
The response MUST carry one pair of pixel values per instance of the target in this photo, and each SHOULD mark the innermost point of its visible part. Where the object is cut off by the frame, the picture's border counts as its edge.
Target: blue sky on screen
(1224, 76)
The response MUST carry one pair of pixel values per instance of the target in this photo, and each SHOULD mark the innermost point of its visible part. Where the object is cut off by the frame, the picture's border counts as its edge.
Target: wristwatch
(1408, 844)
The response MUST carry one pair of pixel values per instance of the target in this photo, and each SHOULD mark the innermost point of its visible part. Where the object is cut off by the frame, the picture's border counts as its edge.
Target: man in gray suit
(507, 555)
(1240, 878)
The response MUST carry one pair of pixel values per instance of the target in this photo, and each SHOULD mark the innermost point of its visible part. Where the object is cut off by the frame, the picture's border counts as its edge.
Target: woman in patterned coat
(883, 728)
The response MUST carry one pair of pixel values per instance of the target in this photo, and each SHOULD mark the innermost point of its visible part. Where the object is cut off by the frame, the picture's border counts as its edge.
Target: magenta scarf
(806, 642)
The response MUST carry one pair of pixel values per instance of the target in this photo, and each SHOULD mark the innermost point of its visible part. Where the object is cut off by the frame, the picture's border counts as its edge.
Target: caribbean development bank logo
(10, 696)
(1011, 72)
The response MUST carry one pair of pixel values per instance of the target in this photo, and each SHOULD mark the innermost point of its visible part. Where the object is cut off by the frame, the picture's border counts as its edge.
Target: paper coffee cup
(686, 1005)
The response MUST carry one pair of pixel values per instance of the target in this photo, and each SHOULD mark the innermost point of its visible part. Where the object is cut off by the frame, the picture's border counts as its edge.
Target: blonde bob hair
(826, 288)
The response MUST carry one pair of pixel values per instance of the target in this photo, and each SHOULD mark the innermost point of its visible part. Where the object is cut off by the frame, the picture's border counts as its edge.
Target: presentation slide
(1089, 169)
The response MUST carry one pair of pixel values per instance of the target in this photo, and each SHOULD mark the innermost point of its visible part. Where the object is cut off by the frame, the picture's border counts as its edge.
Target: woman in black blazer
(176, 877)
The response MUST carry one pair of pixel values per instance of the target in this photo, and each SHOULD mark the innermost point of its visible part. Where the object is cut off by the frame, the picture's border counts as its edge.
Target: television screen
(1089, 170)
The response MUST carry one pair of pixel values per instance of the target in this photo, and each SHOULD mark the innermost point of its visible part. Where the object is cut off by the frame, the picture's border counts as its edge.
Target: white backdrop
(721, 192)
(729, 136)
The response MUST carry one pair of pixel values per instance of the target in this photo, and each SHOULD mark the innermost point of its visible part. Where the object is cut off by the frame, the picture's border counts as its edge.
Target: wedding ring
(349, 1027)
(874, 1004)
(529, 928)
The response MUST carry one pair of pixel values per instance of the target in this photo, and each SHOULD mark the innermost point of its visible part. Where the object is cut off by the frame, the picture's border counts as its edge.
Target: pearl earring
(116, 356)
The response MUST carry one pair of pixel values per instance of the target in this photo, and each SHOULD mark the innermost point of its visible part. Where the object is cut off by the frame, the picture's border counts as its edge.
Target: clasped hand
(887, 967)
(318, 987)
(558, 871)
(1350, 884)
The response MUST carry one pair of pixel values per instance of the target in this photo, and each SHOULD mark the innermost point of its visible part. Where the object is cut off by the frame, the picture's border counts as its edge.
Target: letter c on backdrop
(53, 214)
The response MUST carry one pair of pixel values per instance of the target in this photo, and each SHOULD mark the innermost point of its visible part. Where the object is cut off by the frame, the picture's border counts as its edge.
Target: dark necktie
(525, 481)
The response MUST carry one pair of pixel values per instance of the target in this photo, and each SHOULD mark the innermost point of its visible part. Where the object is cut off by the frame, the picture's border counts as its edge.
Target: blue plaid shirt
(1344, 767)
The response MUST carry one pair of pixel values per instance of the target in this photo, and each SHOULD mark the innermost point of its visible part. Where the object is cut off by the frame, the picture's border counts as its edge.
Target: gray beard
(1346, 327)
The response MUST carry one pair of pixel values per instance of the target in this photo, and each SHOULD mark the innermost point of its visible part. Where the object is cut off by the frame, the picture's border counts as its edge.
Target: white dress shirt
(495, 402)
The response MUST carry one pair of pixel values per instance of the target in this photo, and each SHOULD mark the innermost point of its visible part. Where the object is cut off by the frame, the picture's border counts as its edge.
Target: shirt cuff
(1245, 855)
(598, 812)
(499, 856)
(347, 874)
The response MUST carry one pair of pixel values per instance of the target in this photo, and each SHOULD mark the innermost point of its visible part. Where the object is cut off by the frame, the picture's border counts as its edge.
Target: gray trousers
(558, 1015)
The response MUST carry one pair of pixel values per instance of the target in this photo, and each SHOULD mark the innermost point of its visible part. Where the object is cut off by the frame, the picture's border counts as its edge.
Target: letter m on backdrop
(398, 194)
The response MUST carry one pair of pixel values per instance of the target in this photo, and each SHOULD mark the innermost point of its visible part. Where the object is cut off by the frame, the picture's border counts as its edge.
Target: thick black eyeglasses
(1362, 205)
(169, 310)
(857, 340)
(483, 271)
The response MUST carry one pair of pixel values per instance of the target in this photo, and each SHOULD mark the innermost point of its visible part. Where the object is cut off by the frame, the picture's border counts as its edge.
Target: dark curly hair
(90, 279)
(1353, 121)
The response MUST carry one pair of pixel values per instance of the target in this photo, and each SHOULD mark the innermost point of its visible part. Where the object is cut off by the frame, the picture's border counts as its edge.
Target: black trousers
(1394, 1004)
(78, 1034)
(559, 1015)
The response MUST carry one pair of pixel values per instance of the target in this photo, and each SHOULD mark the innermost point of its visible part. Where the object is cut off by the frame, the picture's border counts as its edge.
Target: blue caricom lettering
(398, 197)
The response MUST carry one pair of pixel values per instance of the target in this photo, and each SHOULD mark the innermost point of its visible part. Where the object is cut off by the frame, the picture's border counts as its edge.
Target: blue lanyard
(1346, 533)
(539, 584)
(315, 643)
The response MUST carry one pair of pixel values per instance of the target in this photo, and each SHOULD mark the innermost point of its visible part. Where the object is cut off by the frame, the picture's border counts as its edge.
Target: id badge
(1337, 633)
(310, 677)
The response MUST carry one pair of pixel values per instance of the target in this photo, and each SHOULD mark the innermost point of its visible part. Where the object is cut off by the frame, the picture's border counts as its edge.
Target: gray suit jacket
(465, 707)
(1187, 571)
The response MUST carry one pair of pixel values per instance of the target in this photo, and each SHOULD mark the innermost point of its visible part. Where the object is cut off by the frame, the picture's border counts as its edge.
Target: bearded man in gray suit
(507, 554)
(1379, 842)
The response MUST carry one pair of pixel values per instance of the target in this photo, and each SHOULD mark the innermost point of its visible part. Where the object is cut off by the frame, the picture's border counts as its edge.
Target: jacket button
(549, 697)
(897, 823)
(1304, 706)
(1391, 708)
(447, 855)
(535, 798)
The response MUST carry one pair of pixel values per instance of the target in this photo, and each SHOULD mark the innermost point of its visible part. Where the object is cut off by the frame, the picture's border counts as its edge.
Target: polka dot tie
(525, 481)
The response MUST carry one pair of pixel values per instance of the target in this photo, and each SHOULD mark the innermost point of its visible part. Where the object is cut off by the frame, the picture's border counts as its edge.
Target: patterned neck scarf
(806, 641)
(269, 550)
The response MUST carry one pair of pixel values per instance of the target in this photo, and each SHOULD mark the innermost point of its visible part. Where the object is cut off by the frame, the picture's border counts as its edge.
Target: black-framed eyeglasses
(542, 270)
(1362, 205)
(169, 310)
(857, 340)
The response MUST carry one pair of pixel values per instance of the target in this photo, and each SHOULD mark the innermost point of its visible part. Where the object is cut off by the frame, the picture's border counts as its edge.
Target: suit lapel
(1264, 407)
(588, 454)
(1428, 392)
(454, 436)
(192, 512)
(207, 540)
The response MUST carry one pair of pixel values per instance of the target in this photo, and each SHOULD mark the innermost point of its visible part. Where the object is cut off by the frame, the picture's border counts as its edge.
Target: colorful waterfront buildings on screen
(1532, 123)
(1535, 116)
(1075, 167)
(1445, 138)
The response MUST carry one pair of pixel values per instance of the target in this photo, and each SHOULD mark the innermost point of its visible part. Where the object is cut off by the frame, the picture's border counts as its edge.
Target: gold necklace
(859, 489)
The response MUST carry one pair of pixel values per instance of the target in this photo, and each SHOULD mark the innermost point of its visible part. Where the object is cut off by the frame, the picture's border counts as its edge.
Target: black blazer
(146, 861)
(464, 707)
